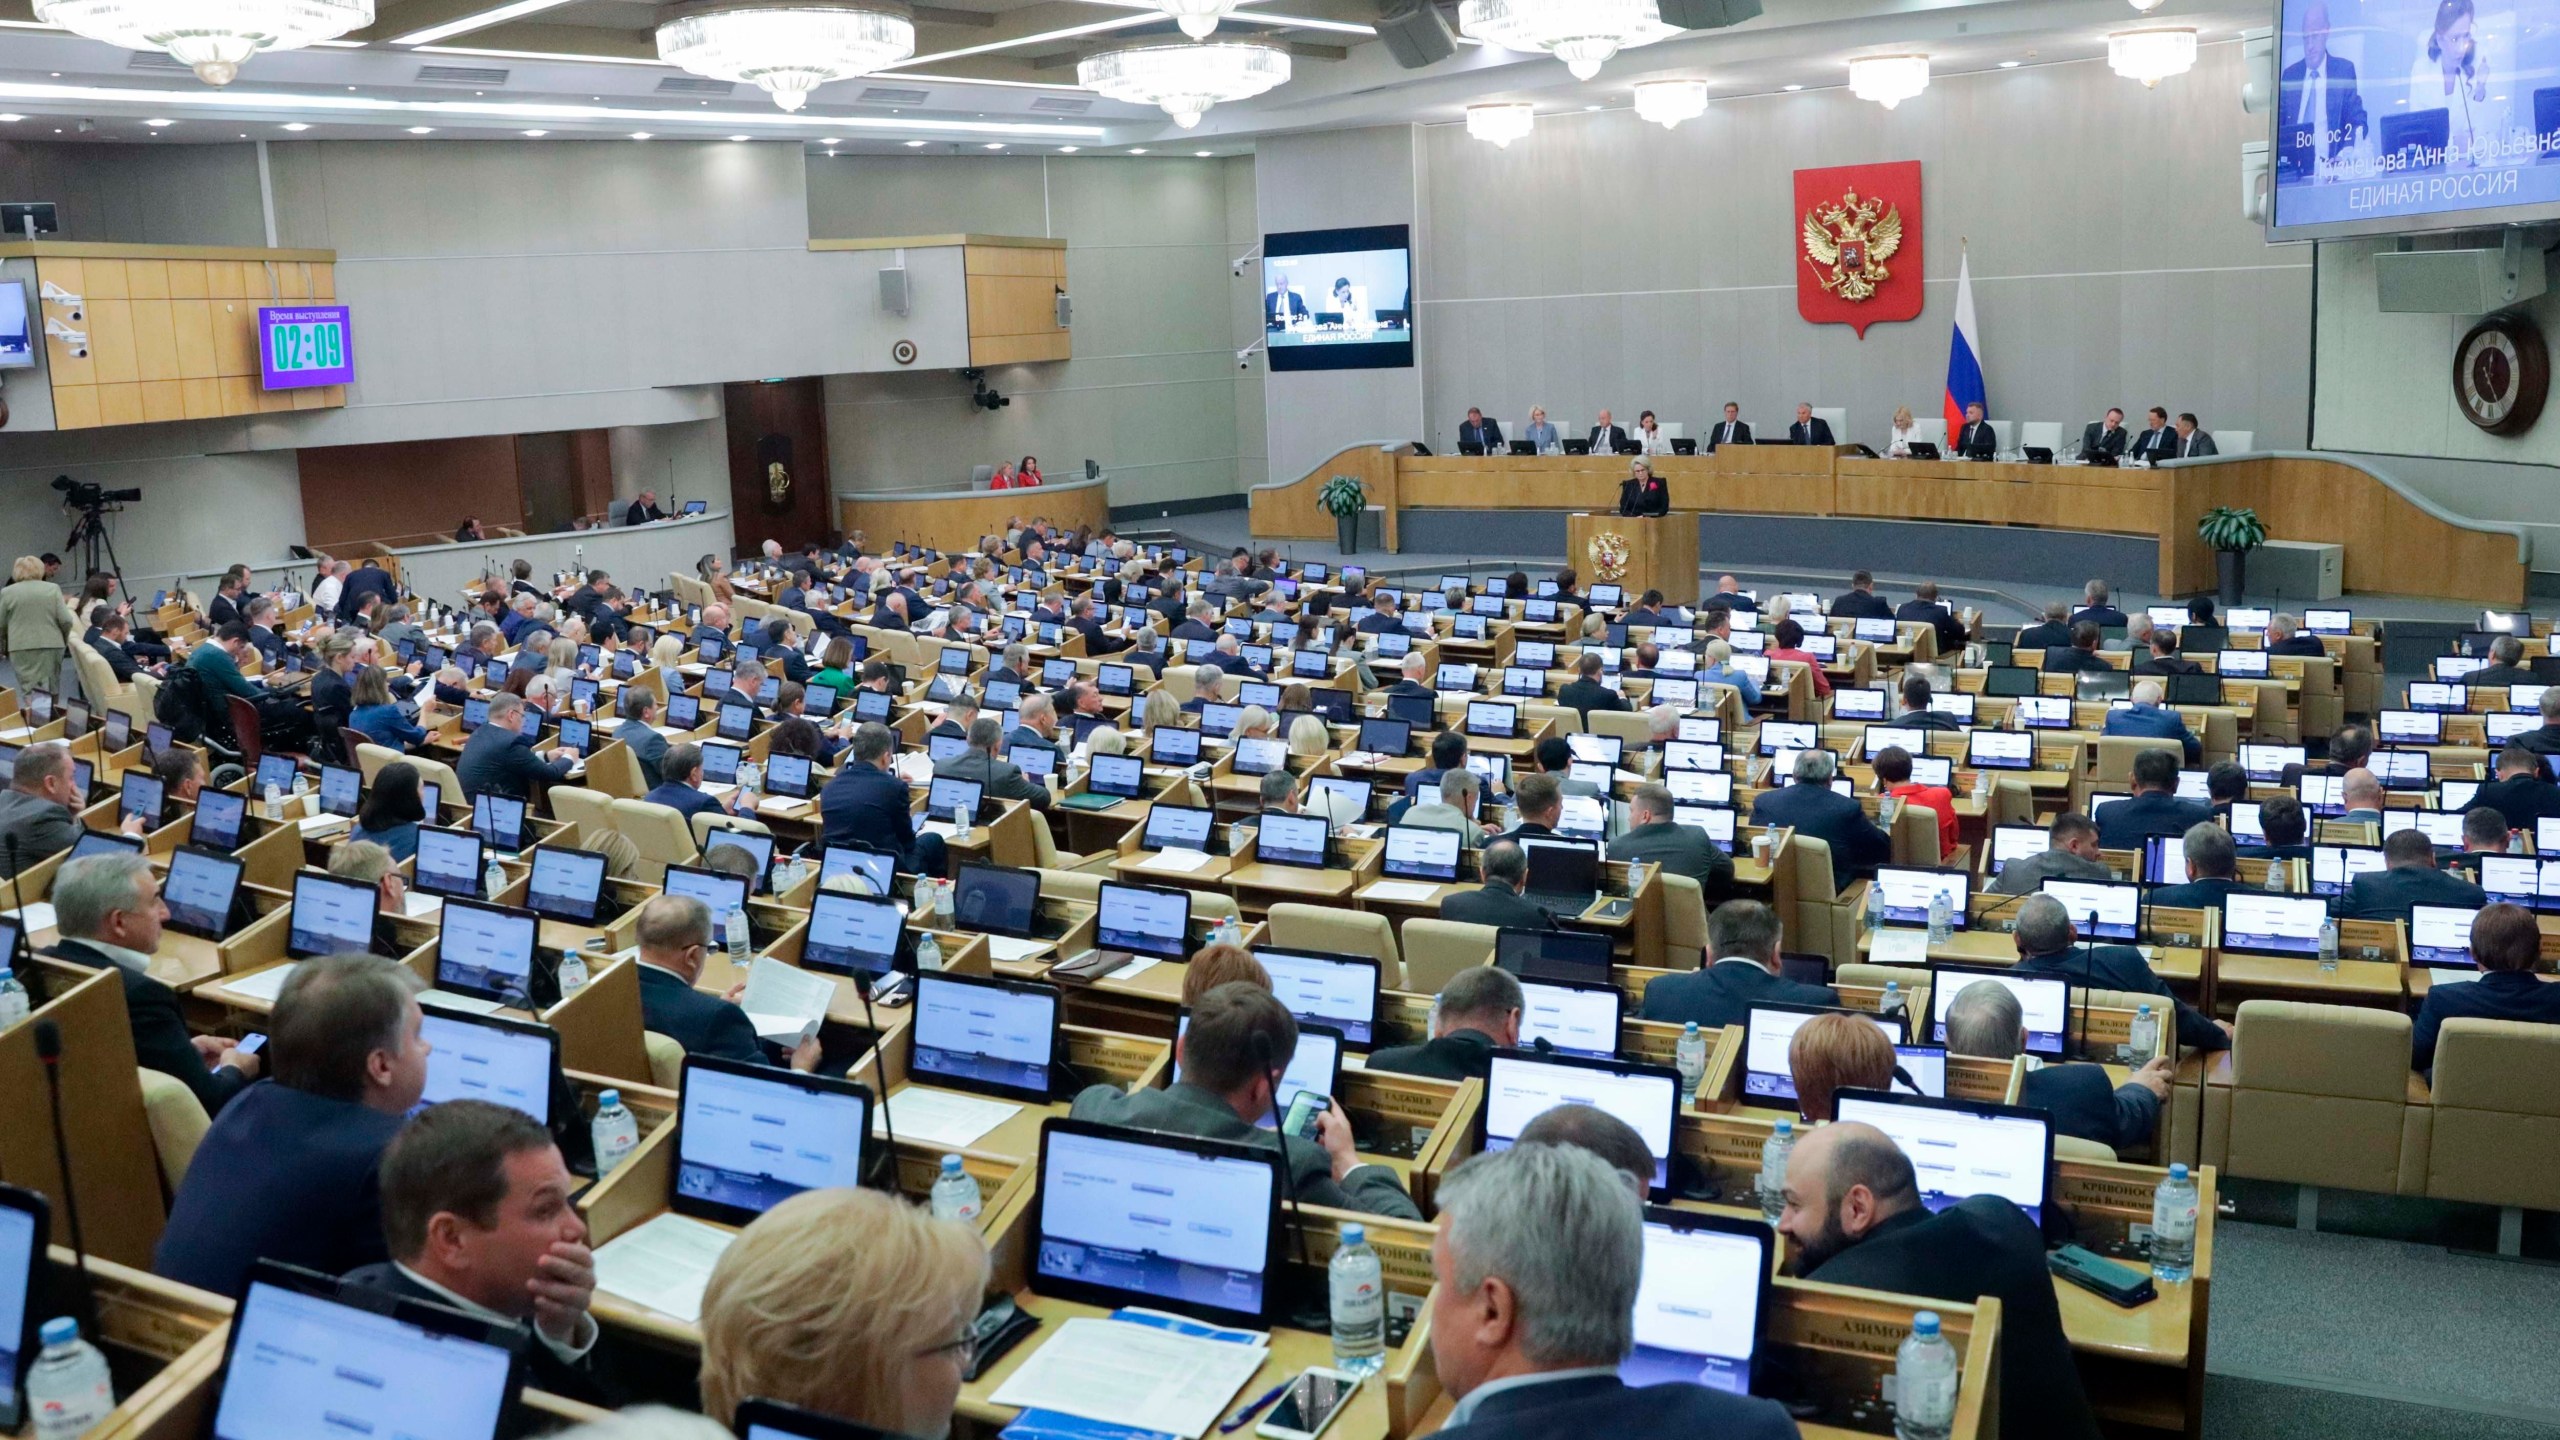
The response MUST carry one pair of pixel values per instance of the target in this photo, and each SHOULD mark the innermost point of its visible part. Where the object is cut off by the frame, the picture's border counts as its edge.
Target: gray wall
(141, 194)
(1607, 262)
(1153, 390)
(198, 513)
(1326, 181)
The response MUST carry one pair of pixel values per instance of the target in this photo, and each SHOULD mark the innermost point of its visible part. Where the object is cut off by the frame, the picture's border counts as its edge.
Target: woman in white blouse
(1904, 428)
(2451, 74)
(1649, 435)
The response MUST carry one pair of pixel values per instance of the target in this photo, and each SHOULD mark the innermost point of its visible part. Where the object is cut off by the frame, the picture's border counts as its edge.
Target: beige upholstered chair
(1436, 950)
(613, 772)
(1627, 725)
(2116, 752)
(1684, 923)
(666, 1059)
(2321, 1095)
(1085, 885)
(660, 835)
(706, 822)
(1826, 919)
(98, 679)
(448, 785)
(1908, 978)
(1345, 932)
(371, 758)
(590, 811)
(2496, 1138)
(2072, 1147)
(177, 1121)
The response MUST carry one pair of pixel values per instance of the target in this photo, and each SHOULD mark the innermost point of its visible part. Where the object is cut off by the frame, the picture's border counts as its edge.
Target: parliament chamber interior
(1362, 719)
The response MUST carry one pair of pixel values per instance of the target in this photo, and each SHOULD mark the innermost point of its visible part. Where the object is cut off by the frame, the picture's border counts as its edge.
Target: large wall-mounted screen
(2399, 115)
(1339, 299)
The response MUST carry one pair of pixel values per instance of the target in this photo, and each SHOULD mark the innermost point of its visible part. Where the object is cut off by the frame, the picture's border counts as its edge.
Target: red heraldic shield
(1857, 244)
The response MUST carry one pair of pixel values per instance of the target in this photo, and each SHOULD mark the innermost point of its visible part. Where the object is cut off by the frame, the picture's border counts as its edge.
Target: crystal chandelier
(1581, 33)
(1196, 17)
(213, 36)
(1888, 80)
(1668, 102)
(1501, 123)
(2152, 56)
(1185, 80)
(2146, 6)
(789, 49)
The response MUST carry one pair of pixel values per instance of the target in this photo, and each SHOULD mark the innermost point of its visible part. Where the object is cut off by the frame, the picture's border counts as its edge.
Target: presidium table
(2394, 542)
(1654, 552)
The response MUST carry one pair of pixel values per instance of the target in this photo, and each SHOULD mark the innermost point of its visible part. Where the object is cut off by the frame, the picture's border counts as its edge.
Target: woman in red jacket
(1893, 777)
(1003, 479)
(1029, 475)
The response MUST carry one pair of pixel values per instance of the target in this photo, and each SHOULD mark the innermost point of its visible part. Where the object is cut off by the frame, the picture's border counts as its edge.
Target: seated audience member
(1918, 699)
(2049, 944)
(2225, 785)
(1893, 777)
(2520, 793)
(1925, 608)
(675, 940)
(2506, 667)
(1854, 1213)
(288, 1171)
(1478, 1013)
(1586, 692)
(1716, 667)
(1448, 753)
(1834, 1052)
(2507, 945)
(866, 805)
(477, 1215)
(2052, 631)
(1531, 1317)
(1744, 938)
(847, 1302)
(2362, 792)
(181, 776)
(1787, 643)
(1679, 849)
(1226, 1090)
(496, 760)
(111, 635)
(1499, 901)
(2096, 608)
(38, 816)
(1221, 964)
(1538, 799)
(2162, 657)
(2484, 832)
(2409, 877)
(679, 786)
(1813, 809)
(1986, 1021)
(2080, 654)
(2287, 827)
(107, 910)
(638, 732)
(2070, 853)
(1002, 779)
(377, 714)
(1588, 1127)
(2285, 637)
(1456, 797)
(393, 809)
(2213, 870)
(2147, 718)
(1862, 602)
(367, 863)
(2154, 808)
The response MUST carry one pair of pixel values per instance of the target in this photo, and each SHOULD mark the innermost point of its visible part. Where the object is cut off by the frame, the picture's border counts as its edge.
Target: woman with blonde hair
(848, 1302)
(1837, 1052)
(666, 650)
(35, 624)
(1256, 723)
(1162, 709)
(562, 657)
(1309, 736)
(1105, 740)
(1904, 429)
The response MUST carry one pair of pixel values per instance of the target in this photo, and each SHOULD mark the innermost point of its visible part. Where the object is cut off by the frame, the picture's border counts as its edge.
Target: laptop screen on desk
(1521, 1087)
(1562, 867)
(2017, 842)
(1573, 955)
(304, 1364)
(1906, 893)
(2103, 910)
(481, 1057)
(752, 1136)
(2440, 936)
(719, 891)
(1143, 920)
(330, 916)
(487, 950)
(1297, 840)
(499, 820)
(1700, 1303)
(985, 1034)
(199, 892)
(851, 934)
(1961, 1148)
(996, 899)
(1105, 1228)
(449, 863)
(1575, 1019)
(1768, 1032)
(1177, 827)
(1121, 775)
(1336, 991)
(218, 817)
(2044, 1002)
(2262, 924)
(566, 884)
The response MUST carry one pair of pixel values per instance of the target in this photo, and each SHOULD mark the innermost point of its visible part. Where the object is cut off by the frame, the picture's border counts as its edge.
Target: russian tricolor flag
(1964, 356)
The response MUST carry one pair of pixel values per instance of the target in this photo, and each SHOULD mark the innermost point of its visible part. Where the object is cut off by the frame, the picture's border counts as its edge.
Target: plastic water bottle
(2173, 1226)
(1942, 918)
(1773, 1169)
(1875, 917)
(1893, 1001)
(493, 879)
(955, 1192)
(1690, 1058)
(1358, 1303)
(2275, 877)
(14, 1005)
(1924, 1382)
(928, 953)
(750, 784)
(572, 973)
(2329, 945)
(275, 801)
(960, 818)
(615, 1132)
(67, 1388)
(739, 938)
(2142, 1037)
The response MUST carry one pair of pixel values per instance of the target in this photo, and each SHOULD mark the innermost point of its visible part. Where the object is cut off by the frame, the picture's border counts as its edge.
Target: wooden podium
(1652, 553)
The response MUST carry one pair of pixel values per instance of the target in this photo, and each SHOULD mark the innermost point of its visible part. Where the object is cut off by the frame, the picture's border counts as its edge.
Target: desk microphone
(879, 1069)
(49, 1053)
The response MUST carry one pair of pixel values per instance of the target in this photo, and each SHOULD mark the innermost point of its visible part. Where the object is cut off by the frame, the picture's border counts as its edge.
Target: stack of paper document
(1405, 892)
(1899, 947)
(939, 1117)
(662, 1264)
(263, 985)
(35, 919)
(1005, 947)
(1134, 1375)
(785, 1003)
(1178, 859)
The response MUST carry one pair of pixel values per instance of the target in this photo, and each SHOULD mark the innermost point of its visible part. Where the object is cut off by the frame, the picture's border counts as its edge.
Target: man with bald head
(2322, 112)
(1856, 1214)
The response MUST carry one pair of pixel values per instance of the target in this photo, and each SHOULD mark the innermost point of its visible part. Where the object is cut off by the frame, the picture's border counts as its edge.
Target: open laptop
(486, 951)
(2258, 923)
(500, 821)
(1564, 875)
(1575, 1017)
(2103, 909)
(1523, 1085)
(1903, 893)
(567, 885)
(330, 916)
(857, 935)
(449, 864)
(719, 891)
(878, 868)
(310, 1355)
(1299, 841)
(1421, 852)
(2044, 1003)
(1339, 992)
(986, 1034)
(1177, 827)
(1097, 1235)
(1962, 1148)
(489, 1057)
(1570, 955)
(1112, 779)
(1702, 1302)
(1768, 1031)
(199, 893)
(729, 1167)
(997, 899)
(219, 818)
(1141, 921)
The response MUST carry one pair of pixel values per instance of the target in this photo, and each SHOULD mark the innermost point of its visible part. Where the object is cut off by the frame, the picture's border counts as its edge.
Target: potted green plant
(1345, 499)
(2233, 531)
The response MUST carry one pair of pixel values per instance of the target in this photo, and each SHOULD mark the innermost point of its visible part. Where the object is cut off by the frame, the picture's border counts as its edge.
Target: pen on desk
(1245, 1416)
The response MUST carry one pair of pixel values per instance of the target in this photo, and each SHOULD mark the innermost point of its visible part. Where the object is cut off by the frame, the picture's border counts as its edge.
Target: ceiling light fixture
(2152, 56)
(11, 118)
(1791, 89)
(422, 129)
(159, 124)
(1581, 33)
(1198, 18)
(2011, 64)
(788, 49)
(1069, 149)
(535, 134)
(1668, 102)
(1888, 80)
(2146, 6)
(1201, 154)
(296, 126)
(1140, 150)
(482, 20)
(740, 139)
(640, 135)
(915, 144)
(1501, 122)
(214, 37)
(995, 145)
(1185, 80)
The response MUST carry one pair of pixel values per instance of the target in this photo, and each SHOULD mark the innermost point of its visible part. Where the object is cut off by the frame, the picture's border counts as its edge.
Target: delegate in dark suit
(1458, 1055)
(1681, 850)
(1605, 439)
(2204, 894)
(2123, 824)
(1862, 605)
(1591, 1405)
(2341, 111)
(2124, 1117)
(2121, 967)
(1496, 905)
(686, 800)
(1003, 779)
(283, 1174)
(546, 1369)
(866, 805)
(1589, 695)
(2099, 438)
(1190, 1110)
(1728, 432)
(2155, 444)
(160, 1030)
(1983, 1245)
(495, 762)
(1951, 636)
(1488, 434)
(646, 745)
(701, 1022)
(2496, 995)
(2388, 894)
(2045, 636)
(1978, 440)
(1816, 431)
(2155, 722)
(1824, 814)
(1719, 995)
(2523, 799)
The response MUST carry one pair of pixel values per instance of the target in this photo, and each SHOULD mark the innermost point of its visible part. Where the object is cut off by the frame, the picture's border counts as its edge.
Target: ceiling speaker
(1416, 35)
(1707, 14)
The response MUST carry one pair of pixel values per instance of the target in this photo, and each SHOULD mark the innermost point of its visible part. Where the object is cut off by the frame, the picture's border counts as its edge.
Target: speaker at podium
(1648, 553)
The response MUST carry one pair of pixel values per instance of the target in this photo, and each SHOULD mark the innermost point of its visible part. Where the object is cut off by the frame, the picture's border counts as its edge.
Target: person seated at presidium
(1976, 439)
(1231, 1057)
(1809, 429)
(1477, 430)
(1643, 493)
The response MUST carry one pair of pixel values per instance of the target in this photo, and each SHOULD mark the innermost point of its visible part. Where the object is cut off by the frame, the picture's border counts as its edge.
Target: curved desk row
(955, 519)
(636, 556)
(2394, 542)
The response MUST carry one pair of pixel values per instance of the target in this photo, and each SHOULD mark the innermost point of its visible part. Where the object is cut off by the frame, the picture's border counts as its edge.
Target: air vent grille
(479, 76)
(1060, 105)
(696, 86)
(890, 95)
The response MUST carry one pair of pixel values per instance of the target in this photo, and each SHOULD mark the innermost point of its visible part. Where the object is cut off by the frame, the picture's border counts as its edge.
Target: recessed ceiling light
(832, 140)
(351, 87)
(159, 124)
(1069, 149)
(535, 134)
(1587, 109)
(11, 119)
(294, 125)
(915, 144)
(1793, 88)
(422, 129)
(1139, 151)
(57, 74)
(742, 138)
(2010, 64)
(995, 144)
(1203, 154)
(639, 134)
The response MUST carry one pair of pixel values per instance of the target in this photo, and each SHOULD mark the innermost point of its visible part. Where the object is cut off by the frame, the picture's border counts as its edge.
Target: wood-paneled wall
(955, 521)
(2391, 544)
(1013, 295)
(416, 487)
(1290, 512)
(173, 330)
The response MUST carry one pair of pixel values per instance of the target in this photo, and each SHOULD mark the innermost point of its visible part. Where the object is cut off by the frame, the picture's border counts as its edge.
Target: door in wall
(778, 463)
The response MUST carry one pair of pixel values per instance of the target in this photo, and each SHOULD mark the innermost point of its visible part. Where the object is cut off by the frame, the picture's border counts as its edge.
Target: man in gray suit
(1003, 779)
(1458, 793)
(1231, 1059)
(2071, 853)
(2192, 441)
(1679, 849)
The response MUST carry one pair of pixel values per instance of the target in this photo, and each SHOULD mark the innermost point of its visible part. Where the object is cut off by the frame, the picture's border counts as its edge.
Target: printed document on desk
(1132, 1375)
(787, 1004)
(940, 1117)
(662, 1264)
